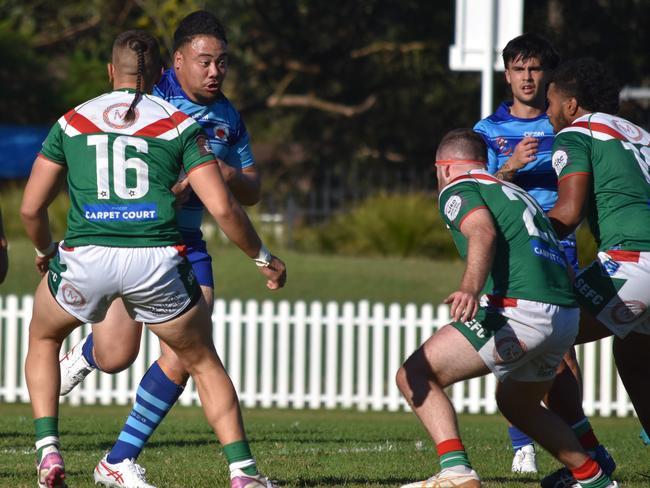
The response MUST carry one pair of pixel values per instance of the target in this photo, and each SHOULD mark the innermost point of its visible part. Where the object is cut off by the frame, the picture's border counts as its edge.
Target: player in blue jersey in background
(193, 84)
(520, 137)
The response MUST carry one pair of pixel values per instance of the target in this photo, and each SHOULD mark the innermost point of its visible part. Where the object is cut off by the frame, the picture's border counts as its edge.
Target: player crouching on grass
(519, 329)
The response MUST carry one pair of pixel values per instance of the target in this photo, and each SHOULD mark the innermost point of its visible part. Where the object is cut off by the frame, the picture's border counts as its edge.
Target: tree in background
(340, 97)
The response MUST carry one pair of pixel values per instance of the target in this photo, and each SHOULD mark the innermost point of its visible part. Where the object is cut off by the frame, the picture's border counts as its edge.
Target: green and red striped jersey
(529, 262)
(615, 153)
(120, 174)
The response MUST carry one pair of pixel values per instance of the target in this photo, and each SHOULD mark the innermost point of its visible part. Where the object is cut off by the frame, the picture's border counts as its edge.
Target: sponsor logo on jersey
(114, 116)
(628, 311)
(203, 144)
(534, 133)
(133, 212)
(583, 288)
(508, 349)
(221, 132)
(502, 145)
(452, 207)
(544, 250)
(631, 131)
(559, 161)
(72, 296)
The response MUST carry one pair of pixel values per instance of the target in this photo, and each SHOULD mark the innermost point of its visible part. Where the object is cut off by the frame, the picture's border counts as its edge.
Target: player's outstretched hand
(464, 305)
(525, 152)
(275, 272)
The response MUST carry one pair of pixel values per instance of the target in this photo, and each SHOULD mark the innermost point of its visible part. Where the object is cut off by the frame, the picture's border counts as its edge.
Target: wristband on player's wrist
(263, 258)
(48, 251)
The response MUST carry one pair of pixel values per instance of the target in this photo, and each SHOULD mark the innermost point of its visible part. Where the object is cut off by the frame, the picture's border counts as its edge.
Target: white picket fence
(301, 355)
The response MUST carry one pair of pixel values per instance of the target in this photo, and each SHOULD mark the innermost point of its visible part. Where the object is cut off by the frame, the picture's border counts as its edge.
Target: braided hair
(144, 67)
(139, 47)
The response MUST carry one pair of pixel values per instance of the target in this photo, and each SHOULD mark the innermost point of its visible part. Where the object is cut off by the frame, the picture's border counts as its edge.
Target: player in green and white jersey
(122, 153)
(603, 167)
(514, 315)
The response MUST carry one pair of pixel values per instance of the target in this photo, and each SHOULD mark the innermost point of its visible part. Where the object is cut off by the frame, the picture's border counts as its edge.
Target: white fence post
(315, 354)
(249, 349)
(267, 348)
(299, 354)
(331, 354)
(347, 355)
(303, 356)
(283, 354)
(378, 351)
(395, 355)
(13, 360)
(363, 355)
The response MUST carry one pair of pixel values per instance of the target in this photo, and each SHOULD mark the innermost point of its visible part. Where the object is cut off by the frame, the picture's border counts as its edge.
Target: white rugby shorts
(521, 339)
(155, 283)
(615, 288)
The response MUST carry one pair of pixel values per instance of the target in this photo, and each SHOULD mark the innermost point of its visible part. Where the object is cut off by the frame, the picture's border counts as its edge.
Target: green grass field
(310, 277)
(298, 448)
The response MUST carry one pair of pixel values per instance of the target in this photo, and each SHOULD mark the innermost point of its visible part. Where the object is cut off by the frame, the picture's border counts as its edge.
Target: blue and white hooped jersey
(502, 132)
(227, 135)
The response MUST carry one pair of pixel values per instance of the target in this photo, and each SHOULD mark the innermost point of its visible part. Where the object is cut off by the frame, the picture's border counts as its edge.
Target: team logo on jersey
(114, 116)
(559, 161)
(508, 349)
(221, 132)
(72, 296)
(203, 144)
(628, 311)
(504, 148)
(630, 130)
(452, 207)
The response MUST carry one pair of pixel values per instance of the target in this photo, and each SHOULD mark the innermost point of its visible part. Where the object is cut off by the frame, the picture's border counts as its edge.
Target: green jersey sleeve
(196, 148)
(571, 154)
(458, 202)
(53, 145)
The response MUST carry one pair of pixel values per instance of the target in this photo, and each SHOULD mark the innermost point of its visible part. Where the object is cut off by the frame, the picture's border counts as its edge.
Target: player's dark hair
(148, 63)
(464, 143)
(531, 45)
(590, 82)
(199, 23)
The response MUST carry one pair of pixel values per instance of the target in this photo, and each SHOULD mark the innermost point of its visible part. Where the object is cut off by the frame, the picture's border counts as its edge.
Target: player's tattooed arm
(505, 173)
(525, 152)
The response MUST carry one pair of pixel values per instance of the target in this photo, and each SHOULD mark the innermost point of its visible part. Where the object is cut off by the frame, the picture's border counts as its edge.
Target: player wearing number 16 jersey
(121, 200)
(514, 315)
(121, 153)
(603, 167)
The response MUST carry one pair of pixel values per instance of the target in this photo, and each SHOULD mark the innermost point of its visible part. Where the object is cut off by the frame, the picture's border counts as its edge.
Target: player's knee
(115, 360)
(415, 372)
(111, 366)
(400, 379)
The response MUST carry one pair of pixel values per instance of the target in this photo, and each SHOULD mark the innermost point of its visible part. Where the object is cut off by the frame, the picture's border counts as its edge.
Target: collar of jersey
(127, 90)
